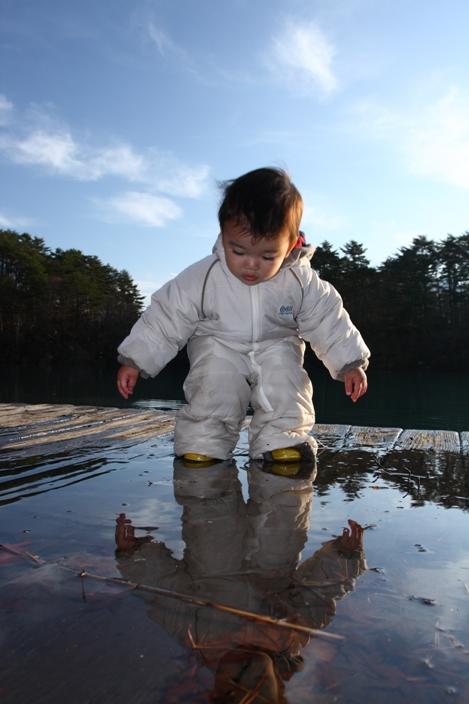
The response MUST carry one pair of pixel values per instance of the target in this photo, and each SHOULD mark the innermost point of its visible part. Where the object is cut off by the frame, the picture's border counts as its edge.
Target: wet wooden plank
(146, 430)
(29, 426)
(437, 440)
(464, 442)
(330, 435)
(23, 414)
(102, 431)
(377, 438)
(65, 423)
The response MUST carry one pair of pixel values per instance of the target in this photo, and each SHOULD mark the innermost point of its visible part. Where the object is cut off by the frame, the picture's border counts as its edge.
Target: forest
(60, 306)
(63, 305)
(413, 309)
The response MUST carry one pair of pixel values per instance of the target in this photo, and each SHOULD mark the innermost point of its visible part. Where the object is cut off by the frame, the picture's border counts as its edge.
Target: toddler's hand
(126, 380)
(125, 534)
(356, 383)
(351, 538)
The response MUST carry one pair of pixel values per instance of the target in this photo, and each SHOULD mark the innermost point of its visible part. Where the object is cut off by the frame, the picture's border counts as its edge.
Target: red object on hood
(301, 241)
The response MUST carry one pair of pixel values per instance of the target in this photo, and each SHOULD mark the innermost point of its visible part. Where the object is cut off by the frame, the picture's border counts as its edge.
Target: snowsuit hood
(298, 255)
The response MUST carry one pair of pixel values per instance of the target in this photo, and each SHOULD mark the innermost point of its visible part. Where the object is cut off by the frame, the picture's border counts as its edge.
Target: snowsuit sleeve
(326, 325)
(322, 580)
(331, 571)
(165, 326)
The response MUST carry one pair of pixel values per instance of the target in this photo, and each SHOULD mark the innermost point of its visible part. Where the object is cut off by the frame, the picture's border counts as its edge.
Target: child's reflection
(244, 555)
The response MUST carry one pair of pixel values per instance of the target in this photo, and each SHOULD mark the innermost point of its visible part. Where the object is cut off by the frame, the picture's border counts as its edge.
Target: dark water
(424, 399)
(391, 605)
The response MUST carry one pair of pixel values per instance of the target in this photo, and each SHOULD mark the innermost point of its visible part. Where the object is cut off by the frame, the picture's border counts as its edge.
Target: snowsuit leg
(217, 394)
(278, 510)
(281, 398)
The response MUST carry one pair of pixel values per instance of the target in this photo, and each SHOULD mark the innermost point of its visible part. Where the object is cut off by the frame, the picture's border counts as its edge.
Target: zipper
(256, 329)
(255, 313)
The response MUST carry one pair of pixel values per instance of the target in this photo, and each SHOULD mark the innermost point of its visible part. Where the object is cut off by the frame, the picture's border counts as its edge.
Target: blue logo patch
(286, 310)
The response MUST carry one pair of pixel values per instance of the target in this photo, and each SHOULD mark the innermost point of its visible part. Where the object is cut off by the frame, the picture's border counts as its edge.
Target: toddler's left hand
(125, 533)
(356, 383)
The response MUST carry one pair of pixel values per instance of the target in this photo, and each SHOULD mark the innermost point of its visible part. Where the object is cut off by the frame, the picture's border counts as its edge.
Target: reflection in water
(406, 629)
(246, 555)
(39, 474)
(441, 478)
(427, 476)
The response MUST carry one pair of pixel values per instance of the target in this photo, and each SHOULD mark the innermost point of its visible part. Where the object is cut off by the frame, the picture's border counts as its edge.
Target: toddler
(245, 312)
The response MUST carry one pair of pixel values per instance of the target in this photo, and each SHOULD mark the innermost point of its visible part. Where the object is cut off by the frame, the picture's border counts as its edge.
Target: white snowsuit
(245, 345)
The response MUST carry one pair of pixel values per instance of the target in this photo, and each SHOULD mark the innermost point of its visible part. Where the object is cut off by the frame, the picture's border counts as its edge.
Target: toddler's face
(254, 260)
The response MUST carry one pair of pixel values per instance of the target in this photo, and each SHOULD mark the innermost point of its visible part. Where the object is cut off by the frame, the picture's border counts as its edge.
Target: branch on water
(197, 601)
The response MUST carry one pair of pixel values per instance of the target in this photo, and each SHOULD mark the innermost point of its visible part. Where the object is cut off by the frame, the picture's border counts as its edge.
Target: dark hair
(265, 200)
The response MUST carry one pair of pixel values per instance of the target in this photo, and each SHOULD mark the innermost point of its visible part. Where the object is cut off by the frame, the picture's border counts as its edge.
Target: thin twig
(25, 554)
(197, 601)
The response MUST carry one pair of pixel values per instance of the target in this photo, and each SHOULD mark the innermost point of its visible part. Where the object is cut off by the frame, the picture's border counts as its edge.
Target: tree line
(63, 305)
(413, 309)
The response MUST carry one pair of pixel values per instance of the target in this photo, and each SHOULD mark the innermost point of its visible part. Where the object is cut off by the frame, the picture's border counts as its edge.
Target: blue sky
(118, 118)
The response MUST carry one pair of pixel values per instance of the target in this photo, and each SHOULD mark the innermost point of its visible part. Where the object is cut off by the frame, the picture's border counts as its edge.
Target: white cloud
(55, 151)
(181, 180)
(61, 154)
(438, 145)
(393, 234)
(147, 287)
(373, 118)
(165, 45)
(40, 140)
(314, 217)
(169, 49)
(178, 58)
(432, 139)
(6, 110)
(143, 208)
(5, 222)
(302, 56)
(120, 160)
(402, 238)
(13, 222)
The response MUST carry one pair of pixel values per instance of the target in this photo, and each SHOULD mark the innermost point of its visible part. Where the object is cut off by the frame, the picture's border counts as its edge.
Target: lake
(420, 399)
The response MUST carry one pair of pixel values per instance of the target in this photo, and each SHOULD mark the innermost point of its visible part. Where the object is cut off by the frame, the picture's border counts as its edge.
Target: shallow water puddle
(390, 603)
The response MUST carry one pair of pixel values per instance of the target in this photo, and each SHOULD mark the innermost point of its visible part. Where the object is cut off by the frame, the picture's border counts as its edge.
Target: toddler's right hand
(126, 380)
(125, 533)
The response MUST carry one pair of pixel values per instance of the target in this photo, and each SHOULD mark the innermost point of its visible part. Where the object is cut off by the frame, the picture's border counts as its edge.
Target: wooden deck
(41, 429)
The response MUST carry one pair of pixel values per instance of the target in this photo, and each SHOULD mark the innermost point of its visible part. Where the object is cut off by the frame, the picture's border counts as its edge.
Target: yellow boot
(286, 454)
(285, 469)
(198, 460)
